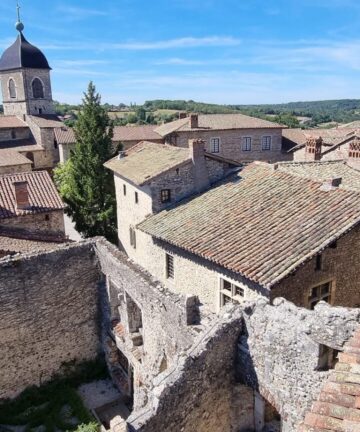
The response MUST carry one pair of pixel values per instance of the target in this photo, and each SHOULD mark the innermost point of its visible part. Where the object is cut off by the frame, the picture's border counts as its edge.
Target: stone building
(30, 207)
(324, 144)
(13, 162)
(29, 117)
(233, 136)
(264, 231)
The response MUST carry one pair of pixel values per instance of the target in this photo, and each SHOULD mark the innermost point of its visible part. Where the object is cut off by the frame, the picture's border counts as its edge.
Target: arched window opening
(37, 89)
(12, 89)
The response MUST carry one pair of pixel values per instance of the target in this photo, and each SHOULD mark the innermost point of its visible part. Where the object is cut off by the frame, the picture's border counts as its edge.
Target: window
(47, 217)
(327, 358)
(319, 262)
(230, 292)
(215, 145)
(266, 143)
(124, 190)
(320, 293)
(132, 233)
(38, 90)
(169, 266)
(165, 195)
(12, 89)
(136, 198)
(246, 146)
(13, 134)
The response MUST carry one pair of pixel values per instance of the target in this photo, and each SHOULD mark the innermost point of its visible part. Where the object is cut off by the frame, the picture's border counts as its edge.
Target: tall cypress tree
(84, 184)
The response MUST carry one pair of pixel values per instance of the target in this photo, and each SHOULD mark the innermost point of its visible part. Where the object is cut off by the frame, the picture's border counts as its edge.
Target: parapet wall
(49, 315)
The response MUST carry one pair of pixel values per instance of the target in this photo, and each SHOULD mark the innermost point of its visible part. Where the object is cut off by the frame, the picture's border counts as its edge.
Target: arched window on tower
(37, 89)
(12, 89)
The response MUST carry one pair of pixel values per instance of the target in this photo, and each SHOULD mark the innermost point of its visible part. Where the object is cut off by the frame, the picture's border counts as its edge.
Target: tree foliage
(84, 184)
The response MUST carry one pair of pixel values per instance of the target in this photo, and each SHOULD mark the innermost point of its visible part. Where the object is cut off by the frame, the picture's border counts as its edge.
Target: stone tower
(25, 78)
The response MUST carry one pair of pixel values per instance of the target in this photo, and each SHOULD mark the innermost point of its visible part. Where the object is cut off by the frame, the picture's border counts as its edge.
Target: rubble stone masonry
(49, 315)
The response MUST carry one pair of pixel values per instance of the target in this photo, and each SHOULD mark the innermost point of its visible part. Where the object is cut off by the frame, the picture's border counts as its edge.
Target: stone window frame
(229, 293)
(266, 143)
(246, 145)
(169, 266)
(43, 89)
(12, 91)
(309, 300)
(215, 148)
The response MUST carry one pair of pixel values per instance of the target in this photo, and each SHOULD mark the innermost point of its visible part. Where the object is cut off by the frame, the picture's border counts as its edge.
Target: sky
(215, 51)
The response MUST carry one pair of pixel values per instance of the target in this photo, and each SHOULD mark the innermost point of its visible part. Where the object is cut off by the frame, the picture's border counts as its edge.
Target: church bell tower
(25, 78)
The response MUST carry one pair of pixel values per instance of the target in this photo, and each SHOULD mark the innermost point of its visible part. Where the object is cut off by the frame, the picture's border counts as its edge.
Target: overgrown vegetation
(56, 405)
(83, 182)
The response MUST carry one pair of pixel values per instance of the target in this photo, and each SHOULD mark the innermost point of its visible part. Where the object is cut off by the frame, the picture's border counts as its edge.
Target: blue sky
(222, 51)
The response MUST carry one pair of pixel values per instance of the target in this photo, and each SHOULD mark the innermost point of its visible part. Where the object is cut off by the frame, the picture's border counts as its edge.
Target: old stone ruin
(179, 367)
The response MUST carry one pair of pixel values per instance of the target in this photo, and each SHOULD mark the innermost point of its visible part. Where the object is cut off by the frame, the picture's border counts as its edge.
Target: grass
(55, 404)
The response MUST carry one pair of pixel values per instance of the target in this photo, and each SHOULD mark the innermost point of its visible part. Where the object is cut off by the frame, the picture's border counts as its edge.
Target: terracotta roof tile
(43, 195)
(47, 121)
(337, 408)
(322, 170)
(147, 160)
(64, 135)
(217, 122)
(12, 245)
(21, 145)
(270, 222)
(136, 133)
(11, 122)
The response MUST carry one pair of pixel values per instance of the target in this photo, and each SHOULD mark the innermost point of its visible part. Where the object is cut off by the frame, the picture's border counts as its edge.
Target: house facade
(234, 136)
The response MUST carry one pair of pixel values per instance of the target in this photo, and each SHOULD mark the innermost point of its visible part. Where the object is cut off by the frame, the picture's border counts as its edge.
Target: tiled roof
(330, 137)
(12, 245)
(11, 122)
(21, 145)
(217, 122)
(43, 196)
(135, 133)
(64, 135)
(47, 121)
(260, 223)
(353, 125)
(338, 406)
(147, 160)
(323, 170)
(11, 157)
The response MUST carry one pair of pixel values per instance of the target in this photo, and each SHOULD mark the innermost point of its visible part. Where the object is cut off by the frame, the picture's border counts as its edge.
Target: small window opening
(169, 266)
(13, 134)
(12, 89)
(215, 145)
(132, 237)
(165, 195)
(328, 357)
(177, 171)
(319, 262)
(47, 217)
(333, 245)
(124, 190)
(320, 293)
(230, 292)
(136, 198)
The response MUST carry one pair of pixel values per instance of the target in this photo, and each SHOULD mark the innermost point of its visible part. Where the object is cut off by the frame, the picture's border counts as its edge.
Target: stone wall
(47, 223)
(340, 266)
(11, 169)
(20, 133)
(279, 352)
(49, 315)
(231, 143)
(197, 393)
(150, 325)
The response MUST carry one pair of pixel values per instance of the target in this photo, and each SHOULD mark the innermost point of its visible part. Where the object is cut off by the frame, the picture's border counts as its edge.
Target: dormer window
(37, 89)
(12, 89)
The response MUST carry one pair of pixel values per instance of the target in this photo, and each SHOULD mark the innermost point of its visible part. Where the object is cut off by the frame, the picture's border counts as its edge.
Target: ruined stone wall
(280, 349)
(231, 142)
(339, 266)
(165, 318)
(49, 315)
(197, 393)
(51, 223)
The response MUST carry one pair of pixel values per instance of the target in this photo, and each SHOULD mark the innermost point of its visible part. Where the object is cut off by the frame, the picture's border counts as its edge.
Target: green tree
(84, 184)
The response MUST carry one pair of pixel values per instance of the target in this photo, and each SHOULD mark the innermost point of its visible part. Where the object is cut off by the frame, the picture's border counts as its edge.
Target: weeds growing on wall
(55, 405)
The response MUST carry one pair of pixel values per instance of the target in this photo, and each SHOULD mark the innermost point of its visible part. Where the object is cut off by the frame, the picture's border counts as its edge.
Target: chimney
(331, 184)
(194, 121)
(21, 195)
(182, 115)
(354, 149)
(313, 148)
(197, 154)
